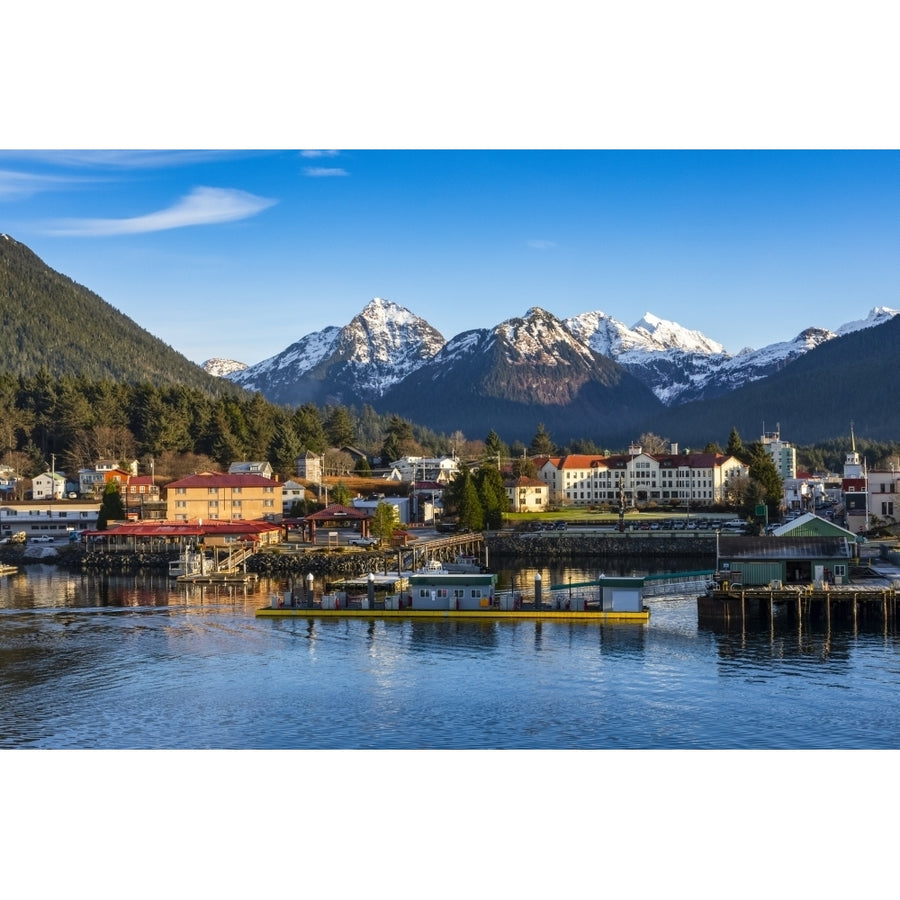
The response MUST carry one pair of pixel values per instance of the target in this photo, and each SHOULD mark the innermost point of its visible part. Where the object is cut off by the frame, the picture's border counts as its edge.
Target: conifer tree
(111, 508)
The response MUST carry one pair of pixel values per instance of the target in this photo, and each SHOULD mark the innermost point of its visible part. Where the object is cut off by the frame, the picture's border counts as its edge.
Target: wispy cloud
(17, 185)
(318, 154)
(541, 245)
(120, 159)
(202, 206)
(324, 172)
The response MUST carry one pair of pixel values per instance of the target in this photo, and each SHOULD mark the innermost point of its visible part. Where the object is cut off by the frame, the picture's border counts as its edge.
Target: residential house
(92, 481)
(291, 493)
(48, 486)
(309, 467)
(141, 497)
(418, 468)
(527, 494)
(220, 495)
(251, 468)
(10, 483)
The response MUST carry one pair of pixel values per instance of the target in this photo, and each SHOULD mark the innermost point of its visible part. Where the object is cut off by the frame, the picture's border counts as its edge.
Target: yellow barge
(542, 615)
(435, 593)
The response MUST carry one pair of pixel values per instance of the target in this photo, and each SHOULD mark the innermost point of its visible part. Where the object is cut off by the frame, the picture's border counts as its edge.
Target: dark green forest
(48, 321)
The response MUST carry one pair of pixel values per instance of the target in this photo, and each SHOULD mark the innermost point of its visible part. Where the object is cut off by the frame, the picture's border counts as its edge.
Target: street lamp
(309, 589)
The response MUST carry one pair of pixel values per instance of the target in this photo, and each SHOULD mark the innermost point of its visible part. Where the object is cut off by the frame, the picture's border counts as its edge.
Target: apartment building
(220, 495)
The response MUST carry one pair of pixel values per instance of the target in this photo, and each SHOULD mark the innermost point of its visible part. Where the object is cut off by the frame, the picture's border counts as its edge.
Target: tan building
(526, 494)
(217, 495)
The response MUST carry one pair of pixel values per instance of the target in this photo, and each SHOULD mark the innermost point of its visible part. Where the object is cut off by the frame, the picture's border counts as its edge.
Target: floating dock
(546, 614)
(218, 578)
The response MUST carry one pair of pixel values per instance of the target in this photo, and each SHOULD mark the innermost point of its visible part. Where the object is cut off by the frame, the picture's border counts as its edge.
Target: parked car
(363, 541)
(42, 539)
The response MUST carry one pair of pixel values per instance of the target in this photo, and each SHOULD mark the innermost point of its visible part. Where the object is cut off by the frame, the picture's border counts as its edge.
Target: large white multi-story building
(637, 478)
(784, 456)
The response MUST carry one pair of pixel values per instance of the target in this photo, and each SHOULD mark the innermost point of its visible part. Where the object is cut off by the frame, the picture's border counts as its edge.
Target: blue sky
(240, 253)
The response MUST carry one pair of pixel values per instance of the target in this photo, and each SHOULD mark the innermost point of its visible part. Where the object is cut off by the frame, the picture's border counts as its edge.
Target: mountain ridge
(679, 365)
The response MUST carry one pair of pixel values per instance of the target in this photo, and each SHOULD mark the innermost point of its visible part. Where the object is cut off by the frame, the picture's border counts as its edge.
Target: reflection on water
(100, 661)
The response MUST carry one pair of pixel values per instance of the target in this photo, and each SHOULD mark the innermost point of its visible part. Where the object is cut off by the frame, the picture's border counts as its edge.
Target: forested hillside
(814, 399)
(47, 321)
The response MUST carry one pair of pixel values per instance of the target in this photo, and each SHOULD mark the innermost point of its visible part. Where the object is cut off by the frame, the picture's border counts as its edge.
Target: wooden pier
(849, 605)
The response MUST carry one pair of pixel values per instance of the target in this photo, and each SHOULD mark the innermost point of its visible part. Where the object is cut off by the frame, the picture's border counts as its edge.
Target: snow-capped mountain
(877, 316)
(380, 347)
(540, 357)
(222, 368)
(650, 334)
(526, 368)
(680, 365)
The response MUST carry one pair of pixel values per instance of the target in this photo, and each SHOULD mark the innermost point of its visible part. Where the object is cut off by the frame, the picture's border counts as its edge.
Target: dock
(218, 578)
(7, 570)
(846, 605)
(546, 614)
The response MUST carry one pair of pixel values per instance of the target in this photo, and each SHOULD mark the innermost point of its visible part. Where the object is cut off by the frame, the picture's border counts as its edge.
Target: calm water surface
(106, 662)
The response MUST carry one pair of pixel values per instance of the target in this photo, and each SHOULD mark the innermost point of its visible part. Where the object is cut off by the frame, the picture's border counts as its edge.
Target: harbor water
(102, 662)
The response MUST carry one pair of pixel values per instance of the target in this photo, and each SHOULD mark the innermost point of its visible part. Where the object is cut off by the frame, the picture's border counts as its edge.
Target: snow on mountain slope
(378, 348)
(877, 316)
(681, 365)
(649, 334)
(222, 368)
(386, 343)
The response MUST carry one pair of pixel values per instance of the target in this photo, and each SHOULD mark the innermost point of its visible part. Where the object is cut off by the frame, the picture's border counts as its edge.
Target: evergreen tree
(765, 475)
(111, 508)
(308, 427)
(384, 520)
(541, 444)
(284, 450)
(469, 512)
(340, 428)
(494, 447)
(492, 496)
(341, 494)
(735, 446)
